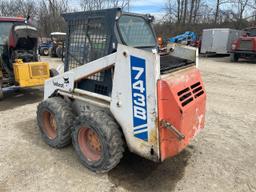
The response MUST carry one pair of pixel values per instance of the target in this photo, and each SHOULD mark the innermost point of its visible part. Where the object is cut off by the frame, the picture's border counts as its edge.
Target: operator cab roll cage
(93, 35)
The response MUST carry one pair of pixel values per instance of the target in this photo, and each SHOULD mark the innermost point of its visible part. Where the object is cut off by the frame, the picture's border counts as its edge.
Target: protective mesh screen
(87, 41)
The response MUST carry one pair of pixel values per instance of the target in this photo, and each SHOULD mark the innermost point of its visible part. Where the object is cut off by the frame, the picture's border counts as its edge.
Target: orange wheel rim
(50, 125)
(90, 144)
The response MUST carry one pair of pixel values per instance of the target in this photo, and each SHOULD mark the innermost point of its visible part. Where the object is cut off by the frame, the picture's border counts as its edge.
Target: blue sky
(154, 7)
(149, 6)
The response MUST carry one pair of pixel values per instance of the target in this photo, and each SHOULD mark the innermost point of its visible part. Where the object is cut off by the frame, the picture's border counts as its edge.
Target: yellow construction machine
(19, 60)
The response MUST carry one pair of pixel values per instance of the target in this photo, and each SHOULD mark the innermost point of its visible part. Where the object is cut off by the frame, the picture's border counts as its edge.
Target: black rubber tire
(41, 52)
(234, 57)
(110, 138)
(51, 53)
(53, 72)
(45, 52)
(64, 119)
(59, 51)
(1, 90)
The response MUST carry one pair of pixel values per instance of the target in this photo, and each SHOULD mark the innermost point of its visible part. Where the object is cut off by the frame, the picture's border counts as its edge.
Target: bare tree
(175, 9)
(192, 5)
(219, 3)
(92, 4)
(118, 3)
(102, 4)
(242, 4)
(184, 11)
(49, 16)
(18, 8)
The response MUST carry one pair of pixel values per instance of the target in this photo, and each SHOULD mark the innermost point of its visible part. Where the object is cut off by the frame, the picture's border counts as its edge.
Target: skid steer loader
(118, 92)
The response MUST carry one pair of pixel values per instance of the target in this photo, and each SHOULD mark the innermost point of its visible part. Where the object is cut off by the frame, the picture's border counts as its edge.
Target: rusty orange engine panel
(181, 102)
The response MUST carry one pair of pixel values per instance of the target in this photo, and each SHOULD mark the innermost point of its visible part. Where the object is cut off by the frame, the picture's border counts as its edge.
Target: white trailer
(218, 40)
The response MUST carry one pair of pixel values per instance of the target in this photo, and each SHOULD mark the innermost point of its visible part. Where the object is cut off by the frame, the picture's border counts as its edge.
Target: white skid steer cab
(117, 92)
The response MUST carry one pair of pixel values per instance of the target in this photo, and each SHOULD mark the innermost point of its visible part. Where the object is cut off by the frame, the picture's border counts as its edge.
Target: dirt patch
(17, 97)
(143, 175)
(221, 158)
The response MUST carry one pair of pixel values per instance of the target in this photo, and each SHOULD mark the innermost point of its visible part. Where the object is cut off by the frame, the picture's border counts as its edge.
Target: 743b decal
(139, 98)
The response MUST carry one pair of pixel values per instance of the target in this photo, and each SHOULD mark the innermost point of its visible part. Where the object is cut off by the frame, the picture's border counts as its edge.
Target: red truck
(245, 46)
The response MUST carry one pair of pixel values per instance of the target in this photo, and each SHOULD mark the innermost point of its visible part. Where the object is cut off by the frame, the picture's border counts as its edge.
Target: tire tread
(63, 114)
(111, 133)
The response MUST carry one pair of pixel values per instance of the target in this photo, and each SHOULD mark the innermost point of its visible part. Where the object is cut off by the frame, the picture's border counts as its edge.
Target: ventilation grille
(246, 45)
(39, 70)
(191, 93)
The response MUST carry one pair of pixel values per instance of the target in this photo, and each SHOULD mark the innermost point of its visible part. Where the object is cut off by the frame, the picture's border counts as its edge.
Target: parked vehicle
(44, 48)
(117, 91)
(6, 24)
(187, 38)
(57, 46)
(218, 40)
(244, 46)
(20, 64)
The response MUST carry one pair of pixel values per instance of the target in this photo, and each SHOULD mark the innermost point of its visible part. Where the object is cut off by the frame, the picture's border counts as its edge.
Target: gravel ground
(221, 158)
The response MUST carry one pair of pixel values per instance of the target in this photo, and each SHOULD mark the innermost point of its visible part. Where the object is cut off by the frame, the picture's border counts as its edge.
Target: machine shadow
(134, 173)
(248, 62)
(16, 97)
(137, 174)
(213, 55)
(66, 155)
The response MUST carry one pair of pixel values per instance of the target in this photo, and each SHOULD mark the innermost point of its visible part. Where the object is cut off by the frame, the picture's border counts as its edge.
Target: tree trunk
(178, 11)
(191, 11)
(197, 6)
(217, 11)
(185, 11)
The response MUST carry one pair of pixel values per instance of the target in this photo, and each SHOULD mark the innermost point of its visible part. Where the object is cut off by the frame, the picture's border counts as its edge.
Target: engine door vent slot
(195, 85)
(199, 94)
(187, 101)
(185, 96)
(183, 91)
(197, 89)
(190, 93)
